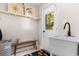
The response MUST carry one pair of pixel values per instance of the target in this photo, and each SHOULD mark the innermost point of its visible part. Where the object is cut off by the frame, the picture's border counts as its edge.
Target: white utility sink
(64, 45)
(68, 38)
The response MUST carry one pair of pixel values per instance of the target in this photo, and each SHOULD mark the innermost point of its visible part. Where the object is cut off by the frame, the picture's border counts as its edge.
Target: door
(46, 33)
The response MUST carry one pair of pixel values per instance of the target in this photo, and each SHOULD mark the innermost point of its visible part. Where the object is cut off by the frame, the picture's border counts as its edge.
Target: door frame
(43, 25)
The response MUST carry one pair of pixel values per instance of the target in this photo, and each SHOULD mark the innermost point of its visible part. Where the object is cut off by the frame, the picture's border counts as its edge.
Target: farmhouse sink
(68, 38)
(64, 45)
(65, 37)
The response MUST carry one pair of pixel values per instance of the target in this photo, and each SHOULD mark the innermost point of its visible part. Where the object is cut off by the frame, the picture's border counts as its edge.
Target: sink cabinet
(63, 47)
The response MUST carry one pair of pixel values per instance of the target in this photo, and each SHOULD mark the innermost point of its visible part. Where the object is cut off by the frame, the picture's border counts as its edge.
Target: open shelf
(28, 16)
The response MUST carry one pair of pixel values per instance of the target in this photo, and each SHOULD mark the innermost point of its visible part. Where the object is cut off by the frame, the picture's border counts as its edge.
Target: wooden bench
(18, 44)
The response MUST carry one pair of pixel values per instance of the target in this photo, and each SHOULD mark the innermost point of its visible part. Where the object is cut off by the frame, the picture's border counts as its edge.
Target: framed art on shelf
(15, 8)
(21, 9)
(29, 10)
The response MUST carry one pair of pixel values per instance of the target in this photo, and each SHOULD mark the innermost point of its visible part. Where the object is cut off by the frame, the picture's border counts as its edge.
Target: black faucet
(69, 32)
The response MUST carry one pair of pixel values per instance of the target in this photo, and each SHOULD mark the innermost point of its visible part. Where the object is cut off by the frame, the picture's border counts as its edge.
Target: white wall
(69, 12)
(3, 6)
(16, 27)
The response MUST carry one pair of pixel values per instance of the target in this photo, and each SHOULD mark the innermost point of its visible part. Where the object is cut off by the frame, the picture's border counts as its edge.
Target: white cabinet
(63, 47)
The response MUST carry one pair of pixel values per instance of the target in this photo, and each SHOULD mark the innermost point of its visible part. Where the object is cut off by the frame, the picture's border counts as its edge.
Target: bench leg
(34, 45)
(15, 50)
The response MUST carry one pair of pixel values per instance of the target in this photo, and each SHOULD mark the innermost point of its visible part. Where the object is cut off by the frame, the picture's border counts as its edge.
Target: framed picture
(30, 10)
(49, 20)
(21, 9)
(15, 8)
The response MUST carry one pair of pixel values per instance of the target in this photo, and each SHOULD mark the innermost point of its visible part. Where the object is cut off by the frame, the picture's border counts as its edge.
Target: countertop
(72, 39)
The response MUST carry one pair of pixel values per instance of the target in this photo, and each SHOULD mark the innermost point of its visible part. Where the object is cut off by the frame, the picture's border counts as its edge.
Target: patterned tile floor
(40, 52)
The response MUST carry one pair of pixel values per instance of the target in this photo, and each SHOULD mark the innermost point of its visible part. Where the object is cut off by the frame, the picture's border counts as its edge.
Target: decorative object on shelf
(26, 10)
(23, 8)
(49, 20)
(15, 8)
(30, 10)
